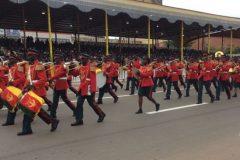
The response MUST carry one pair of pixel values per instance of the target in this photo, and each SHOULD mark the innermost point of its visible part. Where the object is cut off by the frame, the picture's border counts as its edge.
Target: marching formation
(24, 83)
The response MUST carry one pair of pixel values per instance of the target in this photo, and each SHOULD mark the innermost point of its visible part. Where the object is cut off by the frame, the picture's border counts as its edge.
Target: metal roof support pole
(198, 42)
(182, 40)
(149, 37)
(222, 43)
(78, 33)
(231, 43)
(209, 38)
(106, 31)
(24, 31)
(56, 37)
(50, 33)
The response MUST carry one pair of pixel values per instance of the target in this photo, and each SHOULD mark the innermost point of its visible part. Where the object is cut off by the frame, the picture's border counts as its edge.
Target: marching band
(24, 83)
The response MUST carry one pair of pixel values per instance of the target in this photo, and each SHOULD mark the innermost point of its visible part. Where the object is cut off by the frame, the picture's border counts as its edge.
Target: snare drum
(10, 96)
(101, 78)
(31, 104)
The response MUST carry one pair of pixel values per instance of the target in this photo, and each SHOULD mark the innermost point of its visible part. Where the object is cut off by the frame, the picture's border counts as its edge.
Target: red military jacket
(214, 65)
(17, 76)
(192, 71)
(38, 77)
(60, 77)
(87, 76)
(159, 70)
(3, 76)
(206, 72)
(146, 74)
(173, 74)
(108, 70)
(180, 67)
(223, 72)
(129, 72)
(116, 67)
(136, 63)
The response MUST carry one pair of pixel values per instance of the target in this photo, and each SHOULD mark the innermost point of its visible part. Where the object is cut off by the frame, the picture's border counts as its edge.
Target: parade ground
(181, 130)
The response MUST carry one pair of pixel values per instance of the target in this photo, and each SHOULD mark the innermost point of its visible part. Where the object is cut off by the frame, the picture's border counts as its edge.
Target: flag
(10, 97)
(31, 104)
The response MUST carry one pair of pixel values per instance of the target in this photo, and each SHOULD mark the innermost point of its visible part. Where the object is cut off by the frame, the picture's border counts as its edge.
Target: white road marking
(176, 108)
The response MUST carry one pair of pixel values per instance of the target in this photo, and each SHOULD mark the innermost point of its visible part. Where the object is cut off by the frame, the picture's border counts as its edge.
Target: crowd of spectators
(69, 50)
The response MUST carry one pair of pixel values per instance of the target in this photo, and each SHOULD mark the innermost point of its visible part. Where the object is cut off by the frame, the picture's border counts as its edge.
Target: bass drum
(101, 78)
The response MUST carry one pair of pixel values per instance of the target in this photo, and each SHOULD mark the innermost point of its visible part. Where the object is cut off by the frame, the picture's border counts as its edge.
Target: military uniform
(192, 76)
(205, 79)
(135, 65)
(173, 78)
(3, 80)
(158, 76)
(145, 87)
(108, 71)
(87, 90)
(60, 89)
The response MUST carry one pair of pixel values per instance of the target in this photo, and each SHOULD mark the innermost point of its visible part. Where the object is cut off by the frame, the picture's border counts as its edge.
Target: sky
(220, 7)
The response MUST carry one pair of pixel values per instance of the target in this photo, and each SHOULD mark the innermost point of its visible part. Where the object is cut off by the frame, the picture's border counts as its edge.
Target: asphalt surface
(181, 131)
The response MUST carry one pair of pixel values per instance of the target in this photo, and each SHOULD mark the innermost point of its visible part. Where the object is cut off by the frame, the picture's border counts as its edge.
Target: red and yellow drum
(31, 104)
(10, 97)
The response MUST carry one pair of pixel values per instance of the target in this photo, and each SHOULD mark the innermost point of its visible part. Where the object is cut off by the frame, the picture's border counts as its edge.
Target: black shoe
(24, 133)
(157, 107)
(139, 111)
(126, 89)
(1, 107)
(187, 96)
(101, 118)
(7, 124)
(212, 100)
(229, 97)
(154, 91)
(77, 123)
(166, 98)
(180, 96)
(217, 99)
(199, 102)
(121, 86)
(54, 125)
(235, 95)
(99, 102)
(115, 100)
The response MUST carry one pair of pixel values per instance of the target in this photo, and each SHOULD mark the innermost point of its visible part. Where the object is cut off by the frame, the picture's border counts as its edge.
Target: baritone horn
(219, 54)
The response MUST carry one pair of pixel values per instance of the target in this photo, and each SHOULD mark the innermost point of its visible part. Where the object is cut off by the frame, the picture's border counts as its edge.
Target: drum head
(101, 79)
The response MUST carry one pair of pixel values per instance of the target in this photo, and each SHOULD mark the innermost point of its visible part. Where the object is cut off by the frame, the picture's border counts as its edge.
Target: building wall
(216, 43)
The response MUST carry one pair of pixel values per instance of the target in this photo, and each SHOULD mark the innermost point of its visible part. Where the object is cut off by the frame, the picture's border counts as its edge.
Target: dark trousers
(158, 81)
(102, 91)
(190, 82)
(72, 88)
(11, 117)
(176, 87)
(129, 79)
(207, 85)
(134, 84)
(63, 95)
(227, 87)
(115, 79)
(91, 102)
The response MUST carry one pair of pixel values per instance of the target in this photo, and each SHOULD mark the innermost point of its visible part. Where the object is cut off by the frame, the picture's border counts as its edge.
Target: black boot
(101, 117)
(139, 111)
(77, 123)
(54, 125)
(157, 107)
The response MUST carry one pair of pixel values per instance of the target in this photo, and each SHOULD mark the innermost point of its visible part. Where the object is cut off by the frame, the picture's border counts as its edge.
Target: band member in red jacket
(116, 66)
(145, 74)
(192, 75)
(3, 79)
(173, 79)
(108, 70)
(61, 85)
(87, 90)
(159, 74)
(180, 66)
(17, 78)
(129, 75)
(135, 66)
(205, 79)
(36, 82)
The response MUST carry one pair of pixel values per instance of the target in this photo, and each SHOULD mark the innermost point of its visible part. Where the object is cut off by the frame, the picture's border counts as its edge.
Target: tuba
(219, 54)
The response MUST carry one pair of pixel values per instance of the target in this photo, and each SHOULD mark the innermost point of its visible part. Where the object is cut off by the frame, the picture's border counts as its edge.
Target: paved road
(205, 132)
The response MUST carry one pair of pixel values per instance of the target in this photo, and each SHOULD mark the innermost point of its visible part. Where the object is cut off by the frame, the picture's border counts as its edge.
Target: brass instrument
(219, 54)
